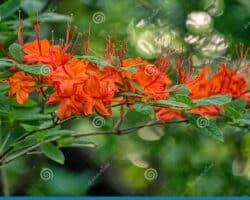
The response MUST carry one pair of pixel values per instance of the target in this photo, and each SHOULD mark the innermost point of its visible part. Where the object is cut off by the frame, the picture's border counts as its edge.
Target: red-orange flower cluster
(223, 82)
(82, 86)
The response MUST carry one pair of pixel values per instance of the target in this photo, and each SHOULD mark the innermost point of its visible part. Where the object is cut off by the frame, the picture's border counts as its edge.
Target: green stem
(3, 177)
(4, 182)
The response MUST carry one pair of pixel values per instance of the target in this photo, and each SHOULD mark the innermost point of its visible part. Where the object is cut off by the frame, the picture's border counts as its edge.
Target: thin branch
(33, 132)
(5, 141)
(121, 119)
(112, 132)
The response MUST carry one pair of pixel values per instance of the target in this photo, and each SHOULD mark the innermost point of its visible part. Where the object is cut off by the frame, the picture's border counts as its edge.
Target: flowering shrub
(63, 85)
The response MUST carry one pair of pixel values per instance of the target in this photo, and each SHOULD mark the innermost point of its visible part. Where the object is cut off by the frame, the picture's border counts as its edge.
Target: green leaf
(130, 69)
(239, 104)
(16, 51)
(245, 118)
(8, 8)
(49, 109)
(41, 85)
(28, 127)
(29, 114)
(6, 60)
(35, 69)
(235, 108)
(5, 75)
(214, 100)
(32, 117)
(182, 90)
(130, 94)
(143, 108)
(244, 122)
(29, 103)
(231, 112)
(52, 152)
(184, 99)
(170, 103)
(61, 133)
(207, 125)
(53, 17)
(32, 7)
(4, 64)
(4, 88)
(4, 106)
(214, 131)
(27, 142)
(136, 85)
(73, 142)
(97, 60)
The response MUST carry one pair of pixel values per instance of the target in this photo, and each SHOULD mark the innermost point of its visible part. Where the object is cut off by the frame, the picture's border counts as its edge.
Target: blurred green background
(169, 160)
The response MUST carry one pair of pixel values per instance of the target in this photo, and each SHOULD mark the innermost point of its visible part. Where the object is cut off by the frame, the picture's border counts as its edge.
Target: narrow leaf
(170, 103)
(72, 142)
(214, 100)
(184, 99)
(130, 94)
(35, 69)
(97, 60)
(8, 8)
(52, 152)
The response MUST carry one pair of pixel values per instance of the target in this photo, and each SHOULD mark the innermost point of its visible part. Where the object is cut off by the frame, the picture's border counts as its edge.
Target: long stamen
(52, 37)
(86, 40)
(37, 32)
(75, 45)
(66, 46)
(72, 35)
(19, 32)
(122, 51)
(110, 47)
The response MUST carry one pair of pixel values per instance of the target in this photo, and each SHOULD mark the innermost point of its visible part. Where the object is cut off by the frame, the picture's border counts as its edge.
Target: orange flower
(227, 81)
(65, 80)
(97, 93)
(224, 81)
(151, 78)
(165, 114)
(36, 51)
(21, 86)
(67, 105)
(42, 52)
(80, 87)
(199, 87)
